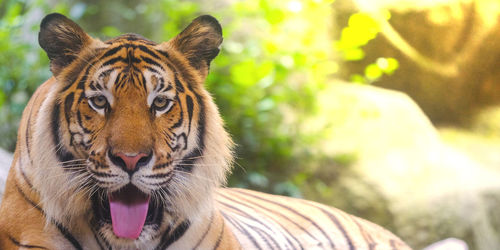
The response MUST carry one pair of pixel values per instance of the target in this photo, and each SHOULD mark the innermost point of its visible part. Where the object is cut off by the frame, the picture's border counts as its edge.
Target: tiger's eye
(160, 103)
(99, 102)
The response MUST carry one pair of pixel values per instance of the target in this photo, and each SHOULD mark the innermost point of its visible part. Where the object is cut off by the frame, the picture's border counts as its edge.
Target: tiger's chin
(110, 225)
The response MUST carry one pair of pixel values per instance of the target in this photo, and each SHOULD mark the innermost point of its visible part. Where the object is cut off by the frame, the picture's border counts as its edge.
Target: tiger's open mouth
(128, 210)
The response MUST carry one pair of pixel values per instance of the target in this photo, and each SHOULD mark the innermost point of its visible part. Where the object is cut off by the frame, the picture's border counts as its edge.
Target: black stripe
(178, 85)
(133, 37)
(28, 144)
(180, 137)
(61, 228)
(187, 77)
(171, 236)
(28, 182)
(17, 243)
(131, 59)
(165, 182)
(366, 236)
(79, 120)
(393, 244)
(114, 60)
(190, 107)
(221, 234)
(62, 154)
(143, 83)
(28, 199)
(25, 177)
(105, 73)
(330, 241)
(152, 69)
(111, 52)
(170, 137)
(101, 182)
(81, 83)
(55, 124)
(206, 232)
(188, 161)
(148, 51)
(160, 166)
(68, 235)
(86, 68)
(92, 86)
(106, 175)
(164, 53)
(181, 113)
(282, 227)
(201, 123)
(28, 131)
(337, 224)
(149, 60)
(156, 176)
(98, 86)
(263, 234)
(81, 97)
(237, 226)
(97, 240)
(277, 222)
(169, 87)
(68, 103)
(119, 83)
(98, 164)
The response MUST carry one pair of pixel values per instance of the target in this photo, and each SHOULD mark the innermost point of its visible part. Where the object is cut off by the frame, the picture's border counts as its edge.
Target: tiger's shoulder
(265, 221)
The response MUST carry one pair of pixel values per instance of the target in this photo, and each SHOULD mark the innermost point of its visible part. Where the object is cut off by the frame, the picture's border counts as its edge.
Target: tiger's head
(138, 141)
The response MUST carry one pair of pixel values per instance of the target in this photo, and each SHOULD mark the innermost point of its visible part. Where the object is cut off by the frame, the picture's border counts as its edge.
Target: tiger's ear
(199, 42)
(62, 39)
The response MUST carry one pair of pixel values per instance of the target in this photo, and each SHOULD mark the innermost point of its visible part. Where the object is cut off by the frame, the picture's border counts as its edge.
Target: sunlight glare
(294, 6)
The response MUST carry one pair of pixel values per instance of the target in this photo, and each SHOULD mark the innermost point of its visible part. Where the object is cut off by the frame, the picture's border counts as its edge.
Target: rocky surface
(433, 190)
(5, 160)
(448, 244)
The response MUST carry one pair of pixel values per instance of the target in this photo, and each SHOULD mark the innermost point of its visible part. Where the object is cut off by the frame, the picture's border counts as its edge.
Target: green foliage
(274, 60)
(24, 65)
(361, 29)
(374, 71)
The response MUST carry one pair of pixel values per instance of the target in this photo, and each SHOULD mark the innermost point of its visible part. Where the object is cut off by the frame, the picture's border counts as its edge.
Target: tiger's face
(140, 129)
(138, 132)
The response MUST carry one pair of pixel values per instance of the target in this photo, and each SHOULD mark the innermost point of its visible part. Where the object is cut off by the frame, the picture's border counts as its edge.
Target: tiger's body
(124, 149)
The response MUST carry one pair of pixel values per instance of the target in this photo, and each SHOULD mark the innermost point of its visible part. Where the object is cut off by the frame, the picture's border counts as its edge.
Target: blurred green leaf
(361, 29)
(110, 31)
(357, 78)
(2, 98)
(354, 54)
(373, 72)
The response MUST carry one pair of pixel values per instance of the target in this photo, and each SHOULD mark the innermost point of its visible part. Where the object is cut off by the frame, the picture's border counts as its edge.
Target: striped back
(264, 221)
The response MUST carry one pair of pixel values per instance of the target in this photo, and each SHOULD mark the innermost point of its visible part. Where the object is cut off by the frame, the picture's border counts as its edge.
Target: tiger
(124, 148)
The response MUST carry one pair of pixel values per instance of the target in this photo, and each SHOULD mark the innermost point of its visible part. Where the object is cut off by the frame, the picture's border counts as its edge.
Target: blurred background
(386, 109)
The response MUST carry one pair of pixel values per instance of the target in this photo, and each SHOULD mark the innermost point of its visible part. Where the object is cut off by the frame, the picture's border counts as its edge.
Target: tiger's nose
(130, 162)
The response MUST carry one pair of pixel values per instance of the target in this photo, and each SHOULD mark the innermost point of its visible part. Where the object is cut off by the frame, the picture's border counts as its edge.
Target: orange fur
(133, 97)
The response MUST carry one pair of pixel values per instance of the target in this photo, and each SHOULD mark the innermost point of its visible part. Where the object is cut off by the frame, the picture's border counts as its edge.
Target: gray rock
(433, 190)
(448, 244)
(5, 161)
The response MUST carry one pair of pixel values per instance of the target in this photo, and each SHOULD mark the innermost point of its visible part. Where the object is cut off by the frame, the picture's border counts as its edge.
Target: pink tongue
(129, 208)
